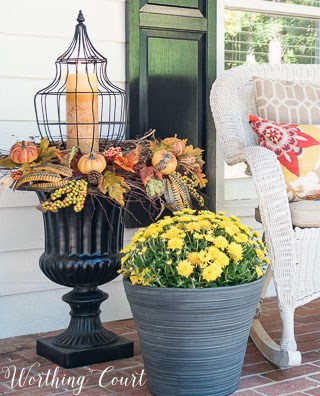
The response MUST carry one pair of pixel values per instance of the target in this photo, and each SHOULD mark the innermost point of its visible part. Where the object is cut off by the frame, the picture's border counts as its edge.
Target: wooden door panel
(171, 86)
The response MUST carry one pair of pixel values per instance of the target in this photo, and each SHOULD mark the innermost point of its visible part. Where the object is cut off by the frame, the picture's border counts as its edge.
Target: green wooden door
(171, 70)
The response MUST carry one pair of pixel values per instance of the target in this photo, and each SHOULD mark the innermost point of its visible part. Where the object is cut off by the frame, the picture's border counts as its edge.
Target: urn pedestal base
(82, 252)
(121, 348)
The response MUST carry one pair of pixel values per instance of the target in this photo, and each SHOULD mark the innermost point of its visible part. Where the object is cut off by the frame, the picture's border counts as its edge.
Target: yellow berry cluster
(191, 187)
(73, 193)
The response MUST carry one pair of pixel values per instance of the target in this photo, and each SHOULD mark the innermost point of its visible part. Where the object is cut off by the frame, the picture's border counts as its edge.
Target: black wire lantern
(82, 107)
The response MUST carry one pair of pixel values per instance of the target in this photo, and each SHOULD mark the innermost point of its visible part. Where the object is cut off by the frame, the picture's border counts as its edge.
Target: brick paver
(259, 377)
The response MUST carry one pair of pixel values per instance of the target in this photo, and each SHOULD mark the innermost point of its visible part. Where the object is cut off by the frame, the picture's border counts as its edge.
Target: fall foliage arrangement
(167, 171)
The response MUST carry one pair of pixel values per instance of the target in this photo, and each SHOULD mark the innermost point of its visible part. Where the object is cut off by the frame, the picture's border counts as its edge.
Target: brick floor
(259, 377)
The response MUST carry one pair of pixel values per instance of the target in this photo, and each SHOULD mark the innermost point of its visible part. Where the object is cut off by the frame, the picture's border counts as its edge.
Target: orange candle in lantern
(82, 109)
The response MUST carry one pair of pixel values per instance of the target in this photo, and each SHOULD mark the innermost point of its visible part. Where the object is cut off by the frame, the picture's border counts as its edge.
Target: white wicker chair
(294, 252)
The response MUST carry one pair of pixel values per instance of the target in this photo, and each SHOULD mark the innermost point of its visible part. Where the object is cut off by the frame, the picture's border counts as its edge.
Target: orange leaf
(146, 173)
(62, 156)
(158, 174)
(134, 155)
(200, 179)
(124, 163)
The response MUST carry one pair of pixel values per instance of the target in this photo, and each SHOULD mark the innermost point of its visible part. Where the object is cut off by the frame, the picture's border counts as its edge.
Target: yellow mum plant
(194, 249)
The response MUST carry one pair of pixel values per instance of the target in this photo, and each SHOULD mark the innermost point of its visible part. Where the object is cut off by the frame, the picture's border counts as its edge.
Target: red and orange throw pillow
(297, 148)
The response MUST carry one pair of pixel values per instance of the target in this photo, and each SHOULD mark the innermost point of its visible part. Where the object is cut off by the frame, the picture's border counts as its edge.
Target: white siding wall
(33, 33)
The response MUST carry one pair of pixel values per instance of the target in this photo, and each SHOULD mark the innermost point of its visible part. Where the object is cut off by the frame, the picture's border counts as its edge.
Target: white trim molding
(274, 8)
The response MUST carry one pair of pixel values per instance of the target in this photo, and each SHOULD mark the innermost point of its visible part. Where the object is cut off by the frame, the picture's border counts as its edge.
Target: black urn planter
(82, 252)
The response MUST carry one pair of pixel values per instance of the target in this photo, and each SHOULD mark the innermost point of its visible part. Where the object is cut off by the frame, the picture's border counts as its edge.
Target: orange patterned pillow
(298, 150)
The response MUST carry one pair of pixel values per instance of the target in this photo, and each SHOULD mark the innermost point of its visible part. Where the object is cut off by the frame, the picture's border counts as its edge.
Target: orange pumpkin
(178, 145)
(164, 161)
(91, 162)
(23, 152)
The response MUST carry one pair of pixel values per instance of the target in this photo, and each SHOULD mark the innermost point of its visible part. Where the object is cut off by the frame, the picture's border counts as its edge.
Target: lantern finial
(80, 18)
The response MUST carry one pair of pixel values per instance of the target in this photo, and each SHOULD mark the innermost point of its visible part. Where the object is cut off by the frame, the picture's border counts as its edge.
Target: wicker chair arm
(276, 219)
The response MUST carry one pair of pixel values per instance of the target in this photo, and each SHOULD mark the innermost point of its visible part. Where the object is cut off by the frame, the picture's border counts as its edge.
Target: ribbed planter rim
(184, 289)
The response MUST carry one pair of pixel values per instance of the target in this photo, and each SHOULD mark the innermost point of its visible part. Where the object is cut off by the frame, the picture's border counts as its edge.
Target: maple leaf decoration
(115, 186)
(200, 179)
(124, 163)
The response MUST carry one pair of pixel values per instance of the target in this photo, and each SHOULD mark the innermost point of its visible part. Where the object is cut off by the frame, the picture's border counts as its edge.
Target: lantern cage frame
(106, 125)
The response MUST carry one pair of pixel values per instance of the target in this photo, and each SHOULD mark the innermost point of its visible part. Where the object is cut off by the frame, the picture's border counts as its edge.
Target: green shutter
(171, 70)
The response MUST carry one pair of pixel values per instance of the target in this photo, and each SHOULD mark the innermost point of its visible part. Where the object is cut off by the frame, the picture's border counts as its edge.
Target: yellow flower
(184, 218)
(222, 261)
(138, 235)
(125, 258)
(209, 238)
(197, 235)
(221, 242)
(165, 221)
(245, 229)
(267, 261)
(144, 249)
(142, 239)
(204, 256)
(259, 271)
(260, 254)
(211, 273)
(188, 210)
(235, 218)
(235, 251)
(175, 243)
(242, 237)
(135, 280)
(193, 226)
(214, 252)
(205, 224)
(194, 258)
(169, 262)
(185, 268)
(153, 228)
(171, 233)
(230, 230)
(140, 253)
(229, 227)
(260, 242)
(128, 248)
(237, 239)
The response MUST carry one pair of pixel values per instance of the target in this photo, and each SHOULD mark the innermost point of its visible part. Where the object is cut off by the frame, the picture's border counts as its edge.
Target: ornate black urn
(82, 109)
(82, 252)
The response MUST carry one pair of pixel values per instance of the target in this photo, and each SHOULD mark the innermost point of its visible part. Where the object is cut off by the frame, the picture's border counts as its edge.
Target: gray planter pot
(193, 341)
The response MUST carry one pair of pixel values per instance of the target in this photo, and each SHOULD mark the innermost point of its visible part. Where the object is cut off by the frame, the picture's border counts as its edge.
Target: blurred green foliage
(248, 32)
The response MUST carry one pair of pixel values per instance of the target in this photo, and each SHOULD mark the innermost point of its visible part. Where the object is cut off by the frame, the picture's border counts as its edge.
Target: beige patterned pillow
(288, 102)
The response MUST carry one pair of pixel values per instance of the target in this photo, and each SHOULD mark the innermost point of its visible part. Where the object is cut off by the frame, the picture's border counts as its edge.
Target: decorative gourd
(91, 162)
(23, 152)
(178, 145)
(164, 161)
